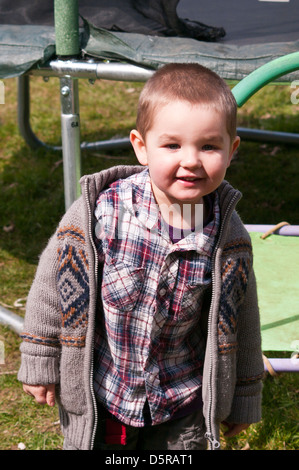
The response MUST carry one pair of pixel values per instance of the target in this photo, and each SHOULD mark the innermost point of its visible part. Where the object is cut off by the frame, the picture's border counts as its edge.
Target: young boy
(143, 314)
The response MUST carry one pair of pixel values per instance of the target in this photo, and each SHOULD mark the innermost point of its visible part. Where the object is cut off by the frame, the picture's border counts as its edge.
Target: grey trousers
(185, 433)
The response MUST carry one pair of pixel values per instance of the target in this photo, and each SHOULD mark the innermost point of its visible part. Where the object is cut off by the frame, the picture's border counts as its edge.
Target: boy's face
(187, 150)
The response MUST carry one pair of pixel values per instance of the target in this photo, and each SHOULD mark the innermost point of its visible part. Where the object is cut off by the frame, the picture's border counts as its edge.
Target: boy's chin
(187, 201)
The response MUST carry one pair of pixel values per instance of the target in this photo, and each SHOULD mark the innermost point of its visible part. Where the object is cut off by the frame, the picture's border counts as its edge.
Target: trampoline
(263, 51)
(278, 290)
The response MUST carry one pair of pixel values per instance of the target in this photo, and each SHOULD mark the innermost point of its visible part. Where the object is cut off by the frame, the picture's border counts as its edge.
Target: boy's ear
(234, 148)
(138, 146)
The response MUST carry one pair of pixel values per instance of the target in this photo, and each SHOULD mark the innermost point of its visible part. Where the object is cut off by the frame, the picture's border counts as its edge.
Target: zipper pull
(214, 444)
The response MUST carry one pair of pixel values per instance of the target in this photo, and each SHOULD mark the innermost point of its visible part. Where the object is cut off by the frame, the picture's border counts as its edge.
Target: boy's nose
(190, 159)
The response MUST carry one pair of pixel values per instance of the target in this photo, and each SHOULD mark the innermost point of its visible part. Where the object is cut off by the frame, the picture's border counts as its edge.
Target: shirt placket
(164, 289)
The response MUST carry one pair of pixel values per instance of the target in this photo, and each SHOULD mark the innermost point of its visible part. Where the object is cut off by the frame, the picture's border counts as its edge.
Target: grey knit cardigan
(59, 325)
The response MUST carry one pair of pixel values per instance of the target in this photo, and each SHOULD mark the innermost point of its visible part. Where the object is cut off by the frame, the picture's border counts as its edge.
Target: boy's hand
(234, 428)
(43, 394)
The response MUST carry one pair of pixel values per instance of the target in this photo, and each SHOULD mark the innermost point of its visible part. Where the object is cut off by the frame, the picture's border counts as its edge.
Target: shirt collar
(148, 213)
(137, 196)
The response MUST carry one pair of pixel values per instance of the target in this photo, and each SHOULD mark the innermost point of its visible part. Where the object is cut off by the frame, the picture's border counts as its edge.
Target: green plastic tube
(66, 14)
(264, 75)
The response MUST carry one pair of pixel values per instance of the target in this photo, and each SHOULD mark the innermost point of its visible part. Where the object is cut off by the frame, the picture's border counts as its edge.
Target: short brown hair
(187, 82)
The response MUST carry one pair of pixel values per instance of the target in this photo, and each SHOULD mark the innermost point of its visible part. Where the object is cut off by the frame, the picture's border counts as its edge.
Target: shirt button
(163, 292)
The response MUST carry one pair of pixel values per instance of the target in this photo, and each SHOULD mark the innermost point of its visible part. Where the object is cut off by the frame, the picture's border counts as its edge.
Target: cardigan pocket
(121, 285)
(72, 396)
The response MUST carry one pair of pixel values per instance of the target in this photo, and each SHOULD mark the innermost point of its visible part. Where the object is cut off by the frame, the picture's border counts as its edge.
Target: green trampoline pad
(276, 262)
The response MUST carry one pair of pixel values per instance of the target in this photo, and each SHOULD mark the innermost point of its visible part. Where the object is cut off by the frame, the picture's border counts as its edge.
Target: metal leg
(257, 135)
(24, 112)
(11, 319)
(70, 132)
(24, 115)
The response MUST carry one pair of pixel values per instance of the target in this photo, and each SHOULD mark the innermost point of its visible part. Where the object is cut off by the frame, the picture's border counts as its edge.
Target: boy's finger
(235, 429)
(40, 395)
(36, 391)
(50, 396)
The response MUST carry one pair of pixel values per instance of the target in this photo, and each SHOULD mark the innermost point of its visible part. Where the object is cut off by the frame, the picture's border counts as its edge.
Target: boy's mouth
(188, 178)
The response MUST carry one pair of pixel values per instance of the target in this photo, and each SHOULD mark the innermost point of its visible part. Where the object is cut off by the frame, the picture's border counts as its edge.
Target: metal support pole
(70, 132)
(11, 319)
(259, 135)
(281, 365)
(67, 45)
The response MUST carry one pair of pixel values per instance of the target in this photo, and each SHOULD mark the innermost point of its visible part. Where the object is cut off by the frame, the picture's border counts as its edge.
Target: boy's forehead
(200, 107)
(216, 138)
(171, 115)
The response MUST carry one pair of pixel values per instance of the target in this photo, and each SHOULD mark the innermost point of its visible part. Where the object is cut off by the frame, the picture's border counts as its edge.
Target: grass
(32, 203)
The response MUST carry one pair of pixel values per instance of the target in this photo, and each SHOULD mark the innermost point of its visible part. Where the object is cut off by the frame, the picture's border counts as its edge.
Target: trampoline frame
(69, 70)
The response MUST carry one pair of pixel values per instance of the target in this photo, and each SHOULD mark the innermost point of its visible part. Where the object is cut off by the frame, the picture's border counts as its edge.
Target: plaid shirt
(148, 343)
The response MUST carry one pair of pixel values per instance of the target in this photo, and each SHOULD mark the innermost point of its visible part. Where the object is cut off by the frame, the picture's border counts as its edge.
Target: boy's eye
(173, 146)
(208, 147)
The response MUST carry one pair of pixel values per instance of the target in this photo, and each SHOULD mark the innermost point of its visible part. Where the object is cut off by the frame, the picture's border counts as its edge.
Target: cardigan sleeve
(246, 405)
(40, 349)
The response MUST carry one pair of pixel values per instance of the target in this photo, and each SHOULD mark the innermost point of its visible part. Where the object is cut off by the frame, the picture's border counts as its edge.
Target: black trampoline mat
(150, 33)
(245, 21)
